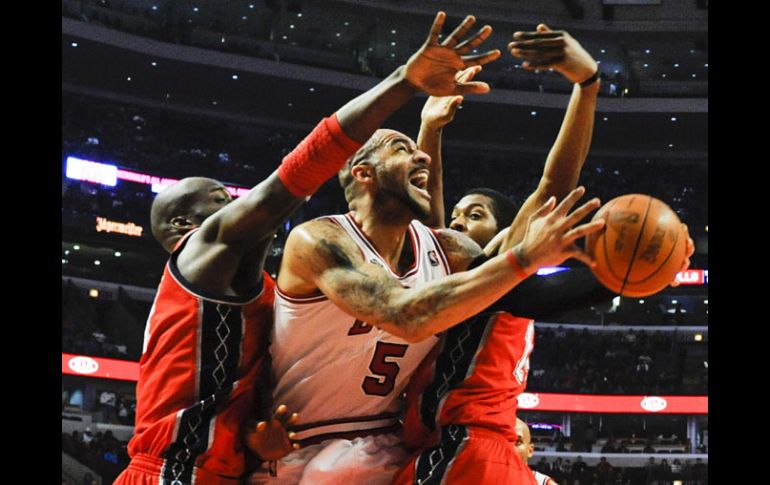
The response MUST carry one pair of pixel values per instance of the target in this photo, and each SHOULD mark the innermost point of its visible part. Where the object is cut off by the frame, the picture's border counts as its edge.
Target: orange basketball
(641, 247)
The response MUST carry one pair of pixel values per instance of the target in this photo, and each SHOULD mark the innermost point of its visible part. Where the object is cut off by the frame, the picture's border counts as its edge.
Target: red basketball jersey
(202, 357)
(472, 378)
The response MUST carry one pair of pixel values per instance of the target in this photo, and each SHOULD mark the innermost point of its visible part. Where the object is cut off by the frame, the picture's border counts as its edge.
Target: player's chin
(420, 207)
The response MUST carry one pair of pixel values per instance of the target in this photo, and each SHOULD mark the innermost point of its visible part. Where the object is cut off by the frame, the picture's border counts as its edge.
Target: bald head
(524, 441)
(182, 207)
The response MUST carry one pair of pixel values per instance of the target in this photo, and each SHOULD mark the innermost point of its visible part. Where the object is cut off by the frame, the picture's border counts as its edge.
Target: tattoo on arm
(367, 289)
(333, 253)
(459, 248)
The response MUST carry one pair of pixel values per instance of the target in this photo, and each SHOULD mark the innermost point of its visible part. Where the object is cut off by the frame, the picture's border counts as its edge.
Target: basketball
(641, 247)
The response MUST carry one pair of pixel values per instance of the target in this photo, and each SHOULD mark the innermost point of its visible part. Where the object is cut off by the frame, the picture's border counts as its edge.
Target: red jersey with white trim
(198, 375)
(342, 375)
(473, 378)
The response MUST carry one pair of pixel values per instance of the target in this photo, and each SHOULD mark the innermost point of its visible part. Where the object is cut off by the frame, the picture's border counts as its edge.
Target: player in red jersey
(461, 403)
(206, 336)
(527, 450)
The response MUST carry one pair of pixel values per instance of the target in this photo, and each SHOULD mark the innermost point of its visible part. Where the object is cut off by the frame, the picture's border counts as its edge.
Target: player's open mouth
(419, 179)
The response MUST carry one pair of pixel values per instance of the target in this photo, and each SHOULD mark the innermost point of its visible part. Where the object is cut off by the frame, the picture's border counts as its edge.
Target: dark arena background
(157, 90)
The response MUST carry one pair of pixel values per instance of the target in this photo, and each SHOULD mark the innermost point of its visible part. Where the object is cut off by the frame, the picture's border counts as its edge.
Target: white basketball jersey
(340, 374)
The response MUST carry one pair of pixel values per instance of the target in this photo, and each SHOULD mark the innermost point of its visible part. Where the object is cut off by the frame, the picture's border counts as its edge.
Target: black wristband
(591, 80)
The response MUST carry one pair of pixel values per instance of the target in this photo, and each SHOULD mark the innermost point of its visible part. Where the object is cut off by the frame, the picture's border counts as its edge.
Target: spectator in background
(610, 446)
(556, 468)
(676, 469)
(107, 401)
(648, 447)
(566, 472)
(578, 468)
(543, 466)
(87, 437)
(123, 414)
(650, 471)
(699, 470)
(665, 470)
(603, 472)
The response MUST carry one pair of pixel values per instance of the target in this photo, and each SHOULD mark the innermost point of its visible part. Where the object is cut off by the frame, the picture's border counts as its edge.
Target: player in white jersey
(357, 307)
(527, 450)
(311, 327)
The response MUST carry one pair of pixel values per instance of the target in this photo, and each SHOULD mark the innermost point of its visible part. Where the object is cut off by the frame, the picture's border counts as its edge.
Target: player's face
(524, 446)
(473, 216)
(402, 172)
(213, 197)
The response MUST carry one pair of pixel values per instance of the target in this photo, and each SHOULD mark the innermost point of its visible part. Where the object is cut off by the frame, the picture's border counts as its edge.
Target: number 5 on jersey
(386, 370)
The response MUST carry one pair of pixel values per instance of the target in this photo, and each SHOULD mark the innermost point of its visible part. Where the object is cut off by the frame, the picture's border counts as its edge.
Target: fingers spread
(481, 59)
(581, 212)
(468, 73)
(460, 31)
(471, 43)
(569, 201)
(544, 209)
(583, 230)
(435, 30)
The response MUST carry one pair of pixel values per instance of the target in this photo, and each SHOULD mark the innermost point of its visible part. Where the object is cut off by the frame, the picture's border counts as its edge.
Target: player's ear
(530, 450)
(363, 172)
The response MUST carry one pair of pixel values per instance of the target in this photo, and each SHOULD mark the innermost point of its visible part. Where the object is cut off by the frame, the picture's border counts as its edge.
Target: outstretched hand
(553, 49)
(439, 111)
(551, 232)
(434, 67)
(272, 440)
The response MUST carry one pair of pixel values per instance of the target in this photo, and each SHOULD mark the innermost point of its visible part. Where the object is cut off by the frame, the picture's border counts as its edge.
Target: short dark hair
(503, 208)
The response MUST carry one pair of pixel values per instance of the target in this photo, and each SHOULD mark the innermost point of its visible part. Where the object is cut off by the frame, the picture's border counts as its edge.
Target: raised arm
(243, 228)
(438, 112)
(547, 49)
(432, 69)
(319, 256)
